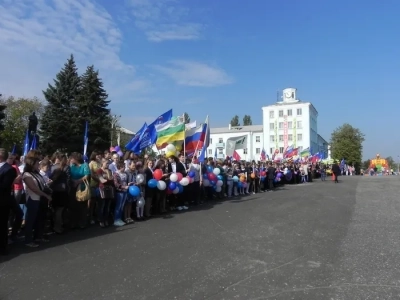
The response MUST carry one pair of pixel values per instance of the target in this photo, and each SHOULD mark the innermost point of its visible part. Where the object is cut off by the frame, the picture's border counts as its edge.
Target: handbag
(83, 195)
(107, 192)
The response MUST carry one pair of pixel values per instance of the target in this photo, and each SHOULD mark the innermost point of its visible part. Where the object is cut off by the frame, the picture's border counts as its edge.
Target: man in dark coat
(7, 177)
(336, 171)
(271, 176)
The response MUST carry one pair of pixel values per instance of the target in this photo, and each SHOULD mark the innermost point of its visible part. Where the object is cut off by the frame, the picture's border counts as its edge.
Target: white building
(285, 123)
(291, 122)
(219, 137)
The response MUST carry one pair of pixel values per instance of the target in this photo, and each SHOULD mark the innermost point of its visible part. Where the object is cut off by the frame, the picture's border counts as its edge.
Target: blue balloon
(213, 182)
(235, 178)
(220, 177)
(205, 176)
(172, 186)
(240, 185)
(152, 183)
(191, 174)
(209, 168)
(134, 191)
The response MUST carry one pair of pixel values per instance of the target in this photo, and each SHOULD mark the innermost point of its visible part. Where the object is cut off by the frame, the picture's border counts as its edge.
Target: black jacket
(7, 177)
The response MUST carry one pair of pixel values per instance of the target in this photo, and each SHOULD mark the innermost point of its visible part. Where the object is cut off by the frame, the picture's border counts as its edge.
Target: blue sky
(219, 58)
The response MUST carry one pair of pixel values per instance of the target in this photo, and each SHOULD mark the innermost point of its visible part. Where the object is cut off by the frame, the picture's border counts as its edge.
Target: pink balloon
(191, 180)
(180, 176)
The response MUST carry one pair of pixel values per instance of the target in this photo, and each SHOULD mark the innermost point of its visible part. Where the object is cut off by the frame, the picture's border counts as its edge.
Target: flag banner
(133, 143)
(236, 156)
(165, 117)
(191, 125)
(305, 153)
(147, 137)
(26, 143)
(194, 139)
(85, 142)
(235, 143)
(169, 132)
(206, 129)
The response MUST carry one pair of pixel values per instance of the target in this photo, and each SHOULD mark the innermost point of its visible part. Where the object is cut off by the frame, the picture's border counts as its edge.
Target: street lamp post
(114, 121)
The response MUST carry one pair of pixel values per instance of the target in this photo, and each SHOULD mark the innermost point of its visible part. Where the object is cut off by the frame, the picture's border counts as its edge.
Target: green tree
(186, 118)
(61, 127)
(346, 142)
(16, 119)
(235, 121)
(93, 107)
(366, 163)
(247, 120)
(391, 162)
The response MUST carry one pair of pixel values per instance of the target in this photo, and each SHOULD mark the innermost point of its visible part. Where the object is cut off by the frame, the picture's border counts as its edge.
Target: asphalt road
(315, 241)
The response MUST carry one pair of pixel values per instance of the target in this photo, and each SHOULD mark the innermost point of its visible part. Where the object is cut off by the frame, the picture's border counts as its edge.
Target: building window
(258, 151)
(245, 151)
(272, 138)
(220, 140)
(290, 137)
(210, 151)
(271, 126)
(289, 112)
(299, 125)
(210, 141)
(280, 149)
(299, 137)
(220, 151)
(271, 114)
(258, 139)
(289, 125)
(281, 137)
(281, 113)
(299, 112)
(270, 150)
(280, 125)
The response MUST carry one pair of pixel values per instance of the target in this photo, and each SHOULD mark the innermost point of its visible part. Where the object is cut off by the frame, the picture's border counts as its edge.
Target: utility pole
(114, 121)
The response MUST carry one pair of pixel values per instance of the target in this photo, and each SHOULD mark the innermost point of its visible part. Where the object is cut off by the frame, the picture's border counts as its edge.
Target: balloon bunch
(278, 177)
(118, 150)
(171, 151)
(213, 178)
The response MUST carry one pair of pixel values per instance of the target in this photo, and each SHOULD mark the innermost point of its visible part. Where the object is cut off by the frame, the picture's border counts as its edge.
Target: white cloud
(192, 73)
(37, 37)
(164, 20)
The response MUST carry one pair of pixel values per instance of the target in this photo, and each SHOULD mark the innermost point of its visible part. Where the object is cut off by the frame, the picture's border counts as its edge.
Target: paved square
(317, 241)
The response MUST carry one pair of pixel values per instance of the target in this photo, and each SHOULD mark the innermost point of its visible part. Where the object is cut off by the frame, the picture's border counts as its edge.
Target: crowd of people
(62, 193)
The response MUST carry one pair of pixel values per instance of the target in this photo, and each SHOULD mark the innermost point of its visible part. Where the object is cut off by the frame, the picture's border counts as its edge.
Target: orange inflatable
(378, 163)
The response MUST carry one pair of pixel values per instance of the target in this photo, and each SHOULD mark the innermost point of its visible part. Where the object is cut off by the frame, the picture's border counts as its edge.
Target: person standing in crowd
(7, 177)
(271, 176)
(336, 171)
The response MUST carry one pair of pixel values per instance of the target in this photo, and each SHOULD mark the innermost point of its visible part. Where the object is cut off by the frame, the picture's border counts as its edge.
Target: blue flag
(147, 138)
(33, 145)
(165, 117)
(132, 145)
(26, 143)
(85, 142)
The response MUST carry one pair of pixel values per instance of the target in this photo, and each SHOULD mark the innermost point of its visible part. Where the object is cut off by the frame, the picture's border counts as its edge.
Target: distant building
(291, 121)
(287, 122)
(220, 135)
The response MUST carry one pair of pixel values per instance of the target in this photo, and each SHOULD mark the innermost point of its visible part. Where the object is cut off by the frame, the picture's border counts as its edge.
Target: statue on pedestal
(33, 123)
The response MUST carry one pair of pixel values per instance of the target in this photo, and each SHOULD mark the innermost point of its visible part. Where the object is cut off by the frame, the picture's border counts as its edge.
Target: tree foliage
(61, 121)
(235, 121)
(93, 107)
(346, 142)
(366, 163)
(71, 101)
(16, 119)
(186, 118)
(391, 163)
(247, 120)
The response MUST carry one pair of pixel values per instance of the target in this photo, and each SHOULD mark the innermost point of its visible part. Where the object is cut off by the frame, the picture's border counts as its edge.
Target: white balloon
(173, 177)
(171, 148)
(141, 202)
(218, 189)
(161, 185)
(235, 178)
(217, 171)
(139, 178)
(220, 183)
(206, 182)
(184, 181)
(176, 190)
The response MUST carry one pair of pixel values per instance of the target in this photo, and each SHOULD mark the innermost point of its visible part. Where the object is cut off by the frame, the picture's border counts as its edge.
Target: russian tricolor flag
(194, 139)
